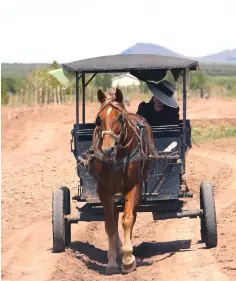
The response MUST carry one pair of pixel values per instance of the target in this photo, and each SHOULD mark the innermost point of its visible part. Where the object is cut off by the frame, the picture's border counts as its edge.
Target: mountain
(220, 63)
(226, 56)
(148, 48)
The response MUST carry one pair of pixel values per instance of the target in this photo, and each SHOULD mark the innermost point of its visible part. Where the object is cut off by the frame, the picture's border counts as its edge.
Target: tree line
(40, 79)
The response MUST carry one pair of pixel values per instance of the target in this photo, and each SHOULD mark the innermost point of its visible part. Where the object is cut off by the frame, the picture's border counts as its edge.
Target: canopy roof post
(77, 96)
(184, 115)
(83, 101)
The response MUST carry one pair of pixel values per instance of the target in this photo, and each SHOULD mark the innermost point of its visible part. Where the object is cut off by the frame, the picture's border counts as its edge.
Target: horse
(122, 144)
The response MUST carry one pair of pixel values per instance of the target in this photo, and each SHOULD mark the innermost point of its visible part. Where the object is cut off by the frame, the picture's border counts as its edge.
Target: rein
(117, 138)
(127, 159)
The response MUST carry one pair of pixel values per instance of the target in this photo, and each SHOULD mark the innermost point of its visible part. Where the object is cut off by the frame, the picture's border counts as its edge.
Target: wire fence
(32, 98)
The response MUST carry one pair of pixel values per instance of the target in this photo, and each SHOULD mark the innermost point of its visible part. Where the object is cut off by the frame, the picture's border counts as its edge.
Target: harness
(139, 131)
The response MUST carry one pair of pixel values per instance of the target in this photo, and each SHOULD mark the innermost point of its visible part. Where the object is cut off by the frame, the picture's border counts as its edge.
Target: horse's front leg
(128, 220)
(118, 241)
(111, 230)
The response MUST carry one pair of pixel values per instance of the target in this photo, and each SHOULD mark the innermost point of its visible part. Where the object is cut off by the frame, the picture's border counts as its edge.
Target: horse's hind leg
(128, 220)
(111, 230)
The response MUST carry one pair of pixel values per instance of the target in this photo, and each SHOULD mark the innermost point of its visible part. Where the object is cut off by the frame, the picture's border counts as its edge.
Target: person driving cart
(162, 109)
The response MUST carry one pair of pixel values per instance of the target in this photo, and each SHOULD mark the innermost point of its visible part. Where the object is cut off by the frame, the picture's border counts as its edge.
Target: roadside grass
(203, 133)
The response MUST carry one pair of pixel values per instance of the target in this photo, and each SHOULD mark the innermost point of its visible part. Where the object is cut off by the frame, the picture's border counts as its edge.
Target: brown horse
(121, 149)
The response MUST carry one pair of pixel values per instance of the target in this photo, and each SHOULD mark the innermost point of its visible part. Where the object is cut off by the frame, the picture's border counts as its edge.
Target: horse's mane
(111, 95)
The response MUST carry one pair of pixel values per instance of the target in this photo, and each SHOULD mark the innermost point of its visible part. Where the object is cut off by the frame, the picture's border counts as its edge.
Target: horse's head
(110, 121)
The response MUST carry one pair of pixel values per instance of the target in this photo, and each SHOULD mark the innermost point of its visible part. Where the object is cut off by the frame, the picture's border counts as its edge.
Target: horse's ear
(101, 96)
(119, 95)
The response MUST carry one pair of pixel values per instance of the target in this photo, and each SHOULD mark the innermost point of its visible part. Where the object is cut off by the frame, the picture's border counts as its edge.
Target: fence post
(49, 94)
(37, 96)
(28, 96)
(41, 96)
(35, 101)
(62, 95)
(55, 96)
(22, 100)
(58, 95)
(10, 105)
(17, 99)
(64, 99)
(45, 96)
(71, 93)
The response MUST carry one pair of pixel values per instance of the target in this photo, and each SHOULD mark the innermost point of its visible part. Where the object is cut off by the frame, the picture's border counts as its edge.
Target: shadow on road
(96, 259)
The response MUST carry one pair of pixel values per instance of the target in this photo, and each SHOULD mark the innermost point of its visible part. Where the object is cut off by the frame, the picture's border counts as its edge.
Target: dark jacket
(167, 116)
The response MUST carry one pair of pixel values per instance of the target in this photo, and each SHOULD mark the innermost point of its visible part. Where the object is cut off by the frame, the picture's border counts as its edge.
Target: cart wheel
(67, 212)
(208, 219)
(61, 227)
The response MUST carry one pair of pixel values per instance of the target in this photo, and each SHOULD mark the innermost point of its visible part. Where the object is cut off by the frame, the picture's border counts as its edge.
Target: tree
(55, 65)
(198, 80)
(170, 77)
(4, 91)
(106, 81)
(40, 77)
(14, 84)
(102, 81)
(143, 87)
(53, 81)
(202, 79)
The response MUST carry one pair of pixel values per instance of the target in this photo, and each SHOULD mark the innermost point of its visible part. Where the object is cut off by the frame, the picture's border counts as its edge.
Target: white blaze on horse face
(109, 111)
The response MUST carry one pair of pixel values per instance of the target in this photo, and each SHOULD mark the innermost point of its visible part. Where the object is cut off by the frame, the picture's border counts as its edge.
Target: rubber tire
(67, 210)
(208, 219)
(58, 222)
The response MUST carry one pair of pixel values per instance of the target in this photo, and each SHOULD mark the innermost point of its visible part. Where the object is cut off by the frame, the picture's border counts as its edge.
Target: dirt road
(36, 159)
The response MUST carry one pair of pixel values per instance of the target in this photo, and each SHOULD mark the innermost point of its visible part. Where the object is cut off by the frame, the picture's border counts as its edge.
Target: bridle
(116, 137)
(123, 132)
(125, 119)
(139, 131)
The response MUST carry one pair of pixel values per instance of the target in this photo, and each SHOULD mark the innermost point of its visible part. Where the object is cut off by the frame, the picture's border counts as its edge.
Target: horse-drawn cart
(162, 191)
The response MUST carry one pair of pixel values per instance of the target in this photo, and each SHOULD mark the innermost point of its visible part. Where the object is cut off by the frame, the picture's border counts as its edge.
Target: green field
(204, 132)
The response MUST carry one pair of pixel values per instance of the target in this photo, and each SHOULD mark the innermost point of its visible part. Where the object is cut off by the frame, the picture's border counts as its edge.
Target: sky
(69, 30)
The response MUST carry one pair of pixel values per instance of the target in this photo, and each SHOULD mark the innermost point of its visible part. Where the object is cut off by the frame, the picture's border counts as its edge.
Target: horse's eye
(98, 121)
(121, 118)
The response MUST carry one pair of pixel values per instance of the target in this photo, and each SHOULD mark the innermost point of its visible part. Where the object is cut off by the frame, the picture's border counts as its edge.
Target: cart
(162, 194)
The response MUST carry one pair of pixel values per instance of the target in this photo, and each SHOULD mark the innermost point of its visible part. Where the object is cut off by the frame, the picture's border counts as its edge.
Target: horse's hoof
(130, 267)
(112, 270)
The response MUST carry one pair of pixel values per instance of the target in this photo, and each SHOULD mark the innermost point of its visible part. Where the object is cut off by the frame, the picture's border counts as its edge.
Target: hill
(148, 48)
(222, 63)
(226, 56)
